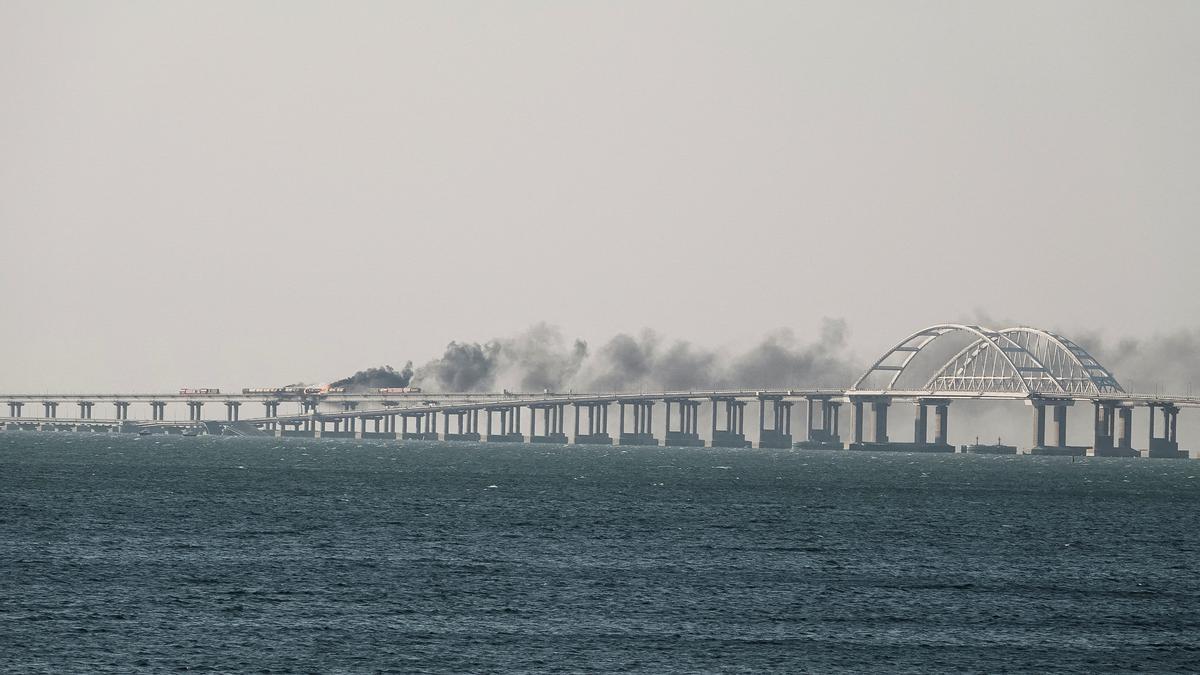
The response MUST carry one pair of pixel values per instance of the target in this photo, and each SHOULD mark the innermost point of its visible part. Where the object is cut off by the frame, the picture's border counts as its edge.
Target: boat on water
(999, 448)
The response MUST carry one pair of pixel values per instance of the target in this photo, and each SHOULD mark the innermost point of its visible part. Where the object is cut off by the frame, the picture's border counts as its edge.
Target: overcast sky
(246, 194)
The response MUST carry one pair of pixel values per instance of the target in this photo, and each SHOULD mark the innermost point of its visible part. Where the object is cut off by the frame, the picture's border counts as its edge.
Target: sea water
(125, 553)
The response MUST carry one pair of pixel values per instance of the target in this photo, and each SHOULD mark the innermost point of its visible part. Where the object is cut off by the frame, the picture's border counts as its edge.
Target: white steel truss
(1018, 360)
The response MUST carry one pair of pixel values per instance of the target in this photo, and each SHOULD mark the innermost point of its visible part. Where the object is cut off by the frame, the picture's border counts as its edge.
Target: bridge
(931, 368)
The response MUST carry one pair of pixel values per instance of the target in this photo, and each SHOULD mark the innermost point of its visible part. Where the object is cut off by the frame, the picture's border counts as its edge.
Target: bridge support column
(1166, 445)
(779, 435)
(1125, 428)
(85, 410)
(507, 425)
(1104, 418)
(822, 428)
(879, 408)
(597, 424)
(14, 408)
(310, 409)
(733, 434)
(121, 409)
(858, 422)
(921, 424)
(271, 410)
(231, 411)
(467, 423)
(1060, 426)
(941, 413)
(1039, 425)
(403, 426)
(643, 423)
(51, 409)
(687, 435)
(1060, 446)
(879, 437)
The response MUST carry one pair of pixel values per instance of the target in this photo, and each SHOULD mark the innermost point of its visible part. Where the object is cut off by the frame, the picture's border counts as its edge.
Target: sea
(215, 554)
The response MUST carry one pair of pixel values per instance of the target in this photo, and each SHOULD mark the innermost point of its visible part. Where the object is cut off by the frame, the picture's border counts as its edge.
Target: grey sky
(242, 194)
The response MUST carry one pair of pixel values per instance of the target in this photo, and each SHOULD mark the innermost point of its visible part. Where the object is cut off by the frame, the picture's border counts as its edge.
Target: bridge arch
(993, 361)
(1077, 370)
(1017, 360)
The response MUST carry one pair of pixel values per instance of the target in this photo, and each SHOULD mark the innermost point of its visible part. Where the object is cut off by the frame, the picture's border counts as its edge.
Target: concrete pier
(553, 415)
(686, 434)
(880, 441)
(642, 413)
(879, 427)
(383, 426)
(822, 424)
(597, 424)
(418, 425)
(195, 410)
(779, 434)
(733, 433)
(509, 425)
(1166, 445)
(1106, 442)
(1060, 447)
(467, 428)
(941, 426)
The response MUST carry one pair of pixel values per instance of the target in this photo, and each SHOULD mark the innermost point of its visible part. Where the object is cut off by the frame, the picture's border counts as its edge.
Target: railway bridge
(929, 369)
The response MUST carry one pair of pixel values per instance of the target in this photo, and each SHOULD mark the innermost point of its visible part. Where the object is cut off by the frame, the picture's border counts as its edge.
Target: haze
(245, 194)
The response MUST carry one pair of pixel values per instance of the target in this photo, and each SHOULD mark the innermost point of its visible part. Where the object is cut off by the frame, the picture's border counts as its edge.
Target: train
(202, 390)
(294, 389)
(319, 390)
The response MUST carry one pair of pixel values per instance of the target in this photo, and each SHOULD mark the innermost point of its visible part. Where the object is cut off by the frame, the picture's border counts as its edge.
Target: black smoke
(541, 358)
(374, 378)
(780, 360)
(462, 367)
(538, 359)
(1165, 363)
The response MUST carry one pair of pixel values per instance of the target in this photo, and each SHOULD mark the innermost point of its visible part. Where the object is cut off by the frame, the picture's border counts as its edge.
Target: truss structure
(1019, 360)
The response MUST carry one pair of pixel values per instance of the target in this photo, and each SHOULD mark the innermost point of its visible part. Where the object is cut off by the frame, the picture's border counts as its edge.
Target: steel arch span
(1019, 360)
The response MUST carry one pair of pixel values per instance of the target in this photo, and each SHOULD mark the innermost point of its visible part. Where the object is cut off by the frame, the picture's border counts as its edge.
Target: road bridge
(930, 369)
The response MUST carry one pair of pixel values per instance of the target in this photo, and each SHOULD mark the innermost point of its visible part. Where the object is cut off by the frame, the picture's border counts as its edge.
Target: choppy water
(123, 553)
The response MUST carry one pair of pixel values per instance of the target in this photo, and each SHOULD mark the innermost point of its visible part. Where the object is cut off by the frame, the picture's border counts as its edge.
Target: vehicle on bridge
(314, 390)
(399, 390)
(200, 391)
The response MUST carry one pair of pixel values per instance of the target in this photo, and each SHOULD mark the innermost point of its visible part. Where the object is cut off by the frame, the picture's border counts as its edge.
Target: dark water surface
(159, 554)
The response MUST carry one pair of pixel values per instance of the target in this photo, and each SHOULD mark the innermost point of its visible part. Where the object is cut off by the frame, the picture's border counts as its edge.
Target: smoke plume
(542, 359)
(1165, 363)
(463, 367)
(374, 378)
(536, 360)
